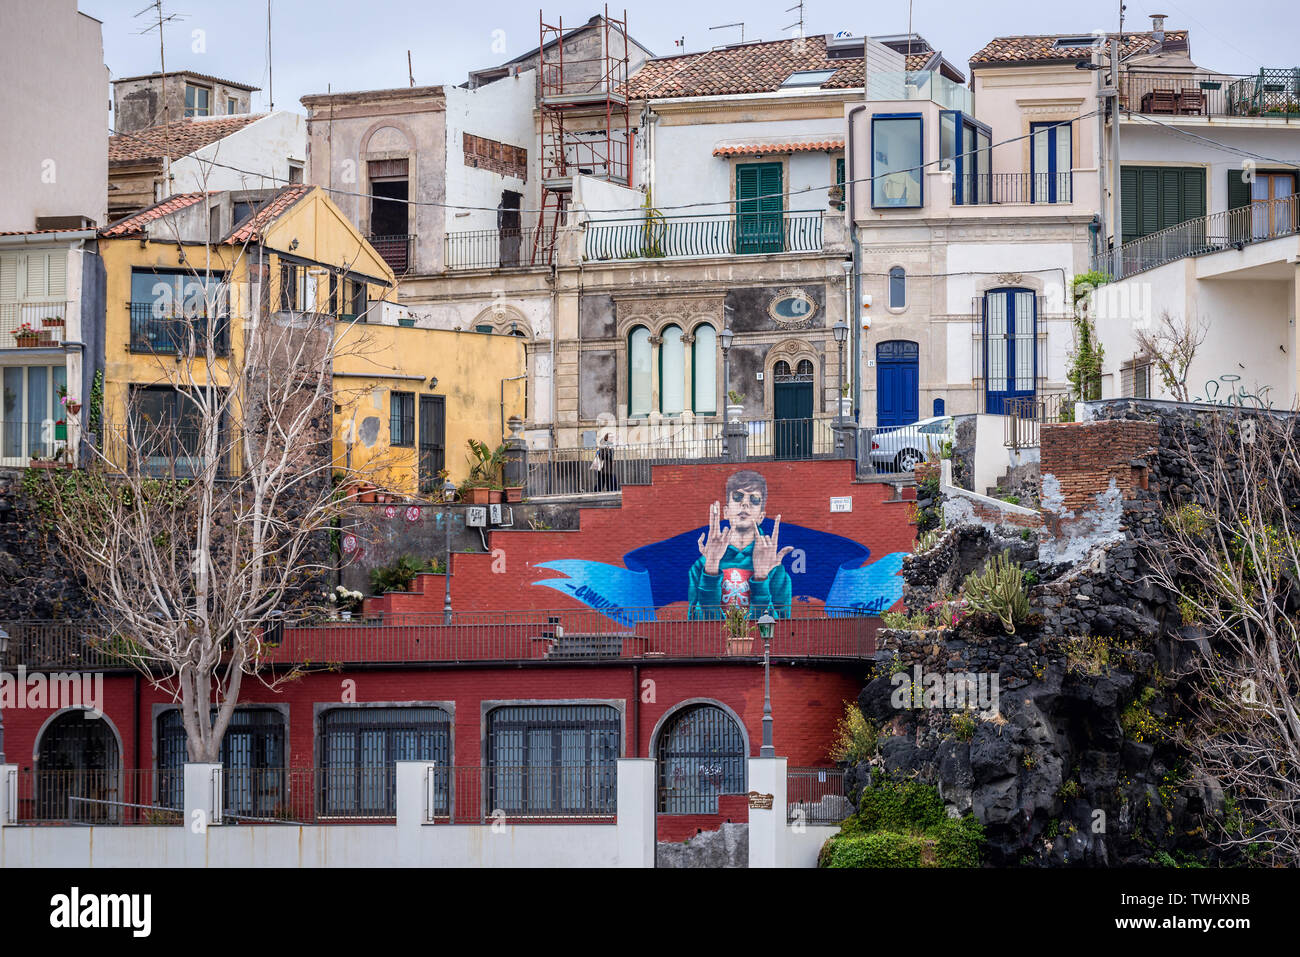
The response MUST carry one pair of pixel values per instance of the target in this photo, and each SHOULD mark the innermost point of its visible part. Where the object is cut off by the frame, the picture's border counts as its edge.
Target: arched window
(897, 287)
(704, 369)
(553, 759)
(672, 372)
(781, 369)
(253, 748)
(701, 755)
(359, 751)
(640, 384)
(78, 772)
(804, 368)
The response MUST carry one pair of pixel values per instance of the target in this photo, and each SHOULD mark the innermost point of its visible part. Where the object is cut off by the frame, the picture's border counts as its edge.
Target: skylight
(808, 78)
(1090, 41)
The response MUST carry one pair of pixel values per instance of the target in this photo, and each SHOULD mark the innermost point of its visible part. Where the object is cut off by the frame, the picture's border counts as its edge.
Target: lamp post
(4, 651)
(765, 632)
(448, 491)
(841, 331)
(725, 336)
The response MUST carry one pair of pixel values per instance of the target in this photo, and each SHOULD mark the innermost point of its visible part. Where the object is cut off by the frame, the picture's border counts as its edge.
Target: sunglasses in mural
(740, 558)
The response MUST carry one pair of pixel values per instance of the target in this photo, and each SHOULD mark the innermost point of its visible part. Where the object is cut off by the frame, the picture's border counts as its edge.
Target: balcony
(1270, 92)
(499, 248)
(397, 251)
(981, 189)
(693, 237)
(163, 451)
(920, 85)
(32, 325)
(175, 335)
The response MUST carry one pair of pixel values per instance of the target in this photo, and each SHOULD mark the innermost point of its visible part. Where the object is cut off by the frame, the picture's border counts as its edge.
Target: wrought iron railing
(499, 248)
(1024, 415)
(32, 325)
(1233, 228)
(971, 189)
(1268, 92)
(678, 237)
(102, 796)
(816, 796)
(397, 251)
(171, 335)
(22, 443)
(164, 451)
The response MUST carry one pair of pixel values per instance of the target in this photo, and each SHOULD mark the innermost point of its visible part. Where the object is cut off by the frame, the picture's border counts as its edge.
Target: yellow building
(406, 398)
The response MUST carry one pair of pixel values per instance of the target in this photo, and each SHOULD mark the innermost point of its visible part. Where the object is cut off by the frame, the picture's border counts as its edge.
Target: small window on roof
(1089, 41)
(808, 78)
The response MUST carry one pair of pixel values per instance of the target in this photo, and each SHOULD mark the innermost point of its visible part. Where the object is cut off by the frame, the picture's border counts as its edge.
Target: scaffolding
(583, 102)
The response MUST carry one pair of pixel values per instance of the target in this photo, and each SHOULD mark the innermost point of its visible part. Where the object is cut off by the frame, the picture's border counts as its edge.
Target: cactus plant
(999, 590)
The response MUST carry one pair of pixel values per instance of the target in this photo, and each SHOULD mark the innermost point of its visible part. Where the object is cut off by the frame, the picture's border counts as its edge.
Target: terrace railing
(816, 796)
(1230, 229)
(110, 796)
(170, 335)
(1268, 92)
(685, 237)
(1025, 415)
(397, 251)
(499, 248)
(32, 325)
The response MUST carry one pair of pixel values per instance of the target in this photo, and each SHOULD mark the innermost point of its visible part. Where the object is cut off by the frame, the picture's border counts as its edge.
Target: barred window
(402, 418)
(252, 754)
(701, 755)
(360, 748)
(1135, 379)
(553, 759)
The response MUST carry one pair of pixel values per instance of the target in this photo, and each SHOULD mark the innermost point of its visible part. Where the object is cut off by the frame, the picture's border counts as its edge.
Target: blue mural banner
(813, 565)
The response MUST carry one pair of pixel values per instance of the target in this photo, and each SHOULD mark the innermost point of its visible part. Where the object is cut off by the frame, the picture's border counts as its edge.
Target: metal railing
(108, 796)
(21, 442)
(164, 452)
(1024, 416)
(816, 796)
(169, 335)
(32, 325)
(724, 234)
(397, 251)
(971, 189)
(498, 248)
(1269, 92)
(1230, 229)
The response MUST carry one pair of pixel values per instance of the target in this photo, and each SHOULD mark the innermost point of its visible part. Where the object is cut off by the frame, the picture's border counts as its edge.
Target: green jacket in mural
(711, 595)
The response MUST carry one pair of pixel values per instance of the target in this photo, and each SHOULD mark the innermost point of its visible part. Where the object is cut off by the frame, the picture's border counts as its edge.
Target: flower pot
(53, 322)
(60, 431)
(734, 412)
(27, 342)
(346, 614)
(478, 496)
(740, 646)
(73, 408)
(515, 493)
(496, 496)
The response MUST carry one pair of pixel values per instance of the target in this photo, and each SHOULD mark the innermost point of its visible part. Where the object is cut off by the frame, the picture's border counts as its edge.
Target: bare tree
(1231, 553)
(197, 530)
(1171, 346)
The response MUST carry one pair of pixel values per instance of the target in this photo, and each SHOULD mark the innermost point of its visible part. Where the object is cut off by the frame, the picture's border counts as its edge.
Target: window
(965, 149)
(760, 207)
(1154, 198)
(1051, 158)
(232, 106)
(292, 291)
(359, 751)
(897, 288)
(1072, 42)
(1135, 378)
(704, 370)
(807, 78)
(1010, 347)
(701, 755)
(170, 311)
(553, 759)
(241, 212)
(164, 433)
(79, 759)
(31, 411)
(672, 372)
(896, 158)
(198, 100)
(640, 372)
(252, 752)
(295, 172)
(401, 426)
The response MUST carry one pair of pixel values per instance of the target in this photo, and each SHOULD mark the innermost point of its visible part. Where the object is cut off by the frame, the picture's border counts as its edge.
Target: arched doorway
(792, 408)
(701, 753)
(78, 770)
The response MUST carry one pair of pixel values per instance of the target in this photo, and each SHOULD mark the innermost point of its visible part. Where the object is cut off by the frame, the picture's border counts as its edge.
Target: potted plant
(73, 406)
(366, 493)
(61, 430)
(739, 630)
(471, 492)
(26, 336)
(735, 405)
(486, 466)
(399, 576)
(345, 600)
(514, 493)
(52, 322)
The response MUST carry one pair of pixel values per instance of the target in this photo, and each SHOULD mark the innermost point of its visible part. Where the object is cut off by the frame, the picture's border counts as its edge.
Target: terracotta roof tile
(751, 68)
(250, 230)
(1029, 49)
(776, 147)
(134, 224)
(175, 139)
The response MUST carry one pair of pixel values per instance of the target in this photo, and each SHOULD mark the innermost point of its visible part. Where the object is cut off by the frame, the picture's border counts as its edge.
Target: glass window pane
(997, 339)
(672, 377)
(896, 157)
(704, 364)
(39, 434)
(897, 288)
(13, 412)
(1025, 342)
(640, 382)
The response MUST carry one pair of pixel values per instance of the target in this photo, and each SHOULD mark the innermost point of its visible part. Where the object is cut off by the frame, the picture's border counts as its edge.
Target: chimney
(1158, 27)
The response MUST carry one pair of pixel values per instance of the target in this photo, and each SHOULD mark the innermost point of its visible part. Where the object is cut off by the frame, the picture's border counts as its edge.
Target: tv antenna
(727, 26)
(798, 23)
(162, 18)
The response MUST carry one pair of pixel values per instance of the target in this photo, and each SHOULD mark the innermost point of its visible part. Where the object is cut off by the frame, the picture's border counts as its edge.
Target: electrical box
(501, 515)
(476, 516)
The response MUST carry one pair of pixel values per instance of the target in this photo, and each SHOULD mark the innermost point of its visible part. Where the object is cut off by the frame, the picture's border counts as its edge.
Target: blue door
(1010, 352)
(898, 378)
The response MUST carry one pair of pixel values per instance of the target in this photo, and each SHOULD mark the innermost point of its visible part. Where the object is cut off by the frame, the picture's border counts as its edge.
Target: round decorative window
(792, 308)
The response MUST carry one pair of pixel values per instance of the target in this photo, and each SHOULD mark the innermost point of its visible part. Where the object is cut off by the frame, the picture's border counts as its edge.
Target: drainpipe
(856, 312)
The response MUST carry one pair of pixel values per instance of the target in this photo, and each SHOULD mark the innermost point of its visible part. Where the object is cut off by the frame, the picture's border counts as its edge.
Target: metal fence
(816, 796)
(20, 442)
(165, 451)
(108, 796)
(1025, 415)
(32, 325)
(990, 188)
(171, 335)
(498, 248)
(397, 251)
(898, 450)
(75, 645)
(1202, 93)
(724, 234)
(1231, 229)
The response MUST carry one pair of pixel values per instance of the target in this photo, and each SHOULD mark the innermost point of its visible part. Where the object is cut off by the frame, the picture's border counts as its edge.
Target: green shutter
(1238, 189)
(1155, 198)
(759, 207)
(1193, 193)
(1128, 202)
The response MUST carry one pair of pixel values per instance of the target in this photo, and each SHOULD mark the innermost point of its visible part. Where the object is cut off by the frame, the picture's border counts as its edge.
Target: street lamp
(725, 336)
(448, 492)
(4, 651)
(841, 331)
(765, 632)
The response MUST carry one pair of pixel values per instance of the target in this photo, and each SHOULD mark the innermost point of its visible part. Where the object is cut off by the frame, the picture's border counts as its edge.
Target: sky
(351, 45)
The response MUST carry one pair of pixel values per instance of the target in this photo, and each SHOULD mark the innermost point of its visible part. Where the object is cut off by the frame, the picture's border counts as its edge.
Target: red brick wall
(1085, 456)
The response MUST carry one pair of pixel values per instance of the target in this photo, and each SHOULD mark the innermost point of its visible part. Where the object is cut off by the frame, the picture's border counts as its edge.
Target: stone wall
(36, 581)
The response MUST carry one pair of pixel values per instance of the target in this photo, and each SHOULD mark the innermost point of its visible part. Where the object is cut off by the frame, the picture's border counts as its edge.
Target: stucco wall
(264, 148)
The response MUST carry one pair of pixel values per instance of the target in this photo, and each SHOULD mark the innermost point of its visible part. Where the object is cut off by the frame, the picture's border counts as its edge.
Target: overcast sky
(362, 44)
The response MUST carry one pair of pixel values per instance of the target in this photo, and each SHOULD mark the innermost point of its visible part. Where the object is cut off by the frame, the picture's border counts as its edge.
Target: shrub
(881, 849)
(855, 737)
(999, 590)
(397, 576)
(903, 824)
(963, 726)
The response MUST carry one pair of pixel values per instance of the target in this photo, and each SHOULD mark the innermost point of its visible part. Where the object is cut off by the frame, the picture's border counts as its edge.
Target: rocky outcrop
(728, 846)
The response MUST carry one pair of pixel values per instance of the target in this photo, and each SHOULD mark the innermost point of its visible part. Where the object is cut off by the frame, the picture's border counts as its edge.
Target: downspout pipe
(851, 198)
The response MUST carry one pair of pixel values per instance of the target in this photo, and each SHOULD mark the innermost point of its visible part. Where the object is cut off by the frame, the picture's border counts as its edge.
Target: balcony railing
(32, 325)
(816, 796)
(972, 189)
(1231, 229)
(1024, 416)
(1269, 92)
(20, 442)
(173, 335)
(163, 452)
(680, 237)
(397, 251)
(499, 248)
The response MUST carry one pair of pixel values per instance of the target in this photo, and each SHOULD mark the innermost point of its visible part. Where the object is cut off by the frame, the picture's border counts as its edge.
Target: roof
(771, 147)
(750, 68)
(1043, 49)
(134, 224)
(197, 76)
(252, 228)
(175, 139)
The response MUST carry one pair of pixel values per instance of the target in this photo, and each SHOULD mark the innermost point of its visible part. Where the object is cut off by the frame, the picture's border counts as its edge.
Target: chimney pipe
(1158, 27)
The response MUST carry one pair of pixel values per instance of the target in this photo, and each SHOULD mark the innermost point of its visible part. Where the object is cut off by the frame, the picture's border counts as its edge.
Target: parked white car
(903, 448)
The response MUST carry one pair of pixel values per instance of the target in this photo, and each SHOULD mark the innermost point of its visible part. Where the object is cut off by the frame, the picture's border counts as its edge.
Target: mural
(740, 558)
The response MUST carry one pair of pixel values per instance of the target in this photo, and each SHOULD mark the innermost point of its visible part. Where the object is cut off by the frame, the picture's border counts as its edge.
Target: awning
(781, 146)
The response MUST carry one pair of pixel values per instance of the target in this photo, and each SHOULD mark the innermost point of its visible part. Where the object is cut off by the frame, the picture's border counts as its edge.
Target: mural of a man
(739, 565)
